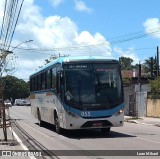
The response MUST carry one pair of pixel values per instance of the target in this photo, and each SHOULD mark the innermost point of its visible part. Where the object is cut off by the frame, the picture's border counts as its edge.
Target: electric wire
(10, 19)
(10, 11)
(133, 38)
(83, 47)
(12, 23)
(133, 34)
(15, 23)
(1, 34)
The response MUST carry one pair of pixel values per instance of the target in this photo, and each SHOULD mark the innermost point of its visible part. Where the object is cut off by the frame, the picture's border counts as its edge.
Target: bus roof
(67, 59)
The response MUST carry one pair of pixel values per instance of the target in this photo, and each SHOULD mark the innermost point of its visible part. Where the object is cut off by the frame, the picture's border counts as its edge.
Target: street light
(5, 53)
(21, 43)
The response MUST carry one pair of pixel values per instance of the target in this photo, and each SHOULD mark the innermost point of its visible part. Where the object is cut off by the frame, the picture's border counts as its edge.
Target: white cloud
(81, 7)
(95, 44)
(56, 3)
(1, 11)
(152, 27)
(25, 67)
(53, 31)
(127, 53)
(50, 33)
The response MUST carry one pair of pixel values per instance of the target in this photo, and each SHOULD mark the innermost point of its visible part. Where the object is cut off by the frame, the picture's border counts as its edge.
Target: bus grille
(97, 123)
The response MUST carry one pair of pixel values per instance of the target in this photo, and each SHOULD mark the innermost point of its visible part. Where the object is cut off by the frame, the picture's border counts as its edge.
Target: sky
(111, 28)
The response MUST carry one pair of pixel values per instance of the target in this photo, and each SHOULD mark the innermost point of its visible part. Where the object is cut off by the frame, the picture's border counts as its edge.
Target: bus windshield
(93, 85)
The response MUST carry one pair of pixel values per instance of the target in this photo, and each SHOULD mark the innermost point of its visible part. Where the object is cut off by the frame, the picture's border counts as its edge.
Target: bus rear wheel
(57, 125)
(105, 130)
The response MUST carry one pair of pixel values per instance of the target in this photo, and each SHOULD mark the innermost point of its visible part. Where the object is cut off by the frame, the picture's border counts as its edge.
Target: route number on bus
(85, 114)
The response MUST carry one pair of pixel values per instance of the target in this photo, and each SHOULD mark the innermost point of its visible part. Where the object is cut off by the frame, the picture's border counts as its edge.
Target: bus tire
(40, 122)
(57, 124)
(105, 130)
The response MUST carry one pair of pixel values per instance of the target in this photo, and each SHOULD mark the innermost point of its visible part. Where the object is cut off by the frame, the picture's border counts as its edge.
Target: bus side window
(58, 82)
(39, 82)
(31, 84)
(54, 78)
(43, 81)
(48, 79)
(36, 83)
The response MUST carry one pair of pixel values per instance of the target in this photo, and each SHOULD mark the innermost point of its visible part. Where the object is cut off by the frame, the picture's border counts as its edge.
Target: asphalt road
(129, 137)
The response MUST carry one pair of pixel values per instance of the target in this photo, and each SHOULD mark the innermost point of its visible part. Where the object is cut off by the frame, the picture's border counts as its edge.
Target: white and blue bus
(78, 93)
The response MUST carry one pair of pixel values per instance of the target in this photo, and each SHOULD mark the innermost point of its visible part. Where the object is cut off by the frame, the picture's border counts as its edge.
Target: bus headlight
(72, 114)
(119, 112)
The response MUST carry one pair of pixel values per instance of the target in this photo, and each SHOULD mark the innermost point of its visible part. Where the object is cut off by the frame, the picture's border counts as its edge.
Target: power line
(10, 19)
(134, 37)
(132, 34)
(16, 23)
(3, 19)
(43, 50)
(82, 47)
(12, 23)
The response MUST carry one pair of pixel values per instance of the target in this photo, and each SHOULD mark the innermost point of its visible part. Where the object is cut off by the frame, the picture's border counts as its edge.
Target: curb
(158, 125)
(132, 121)
(137, 122)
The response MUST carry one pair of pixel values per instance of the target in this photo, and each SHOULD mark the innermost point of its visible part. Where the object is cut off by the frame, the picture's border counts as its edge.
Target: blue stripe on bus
(95, 114)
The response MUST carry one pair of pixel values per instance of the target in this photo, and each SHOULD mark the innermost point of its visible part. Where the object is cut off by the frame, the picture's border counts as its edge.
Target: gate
(132, 105)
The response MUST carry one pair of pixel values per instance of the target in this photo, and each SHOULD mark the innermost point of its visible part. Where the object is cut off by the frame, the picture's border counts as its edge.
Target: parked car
(26, 103)
(18, 102)
(7, 103)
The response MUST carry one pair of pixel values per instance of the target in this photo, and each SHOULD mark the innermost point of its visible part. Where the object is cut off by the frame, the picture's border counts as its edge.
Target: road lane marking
(21, 143)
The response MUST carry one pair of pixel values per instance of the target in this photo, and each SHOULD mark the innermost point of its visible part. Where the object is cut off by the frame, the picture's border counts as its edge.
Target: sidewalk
(143, 120)
(9, 146)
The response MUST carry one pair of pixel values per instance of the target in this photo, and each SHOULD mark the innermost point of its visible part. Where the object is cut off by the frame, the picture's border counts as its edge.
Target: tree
(126, 63)
(155, 88)
(15, 88)
(52, 57)
(149, 64)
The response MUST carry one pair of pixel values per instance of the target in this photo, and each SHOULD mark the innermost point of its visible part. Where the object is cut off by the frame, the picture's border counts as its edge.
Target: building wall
(153, 107)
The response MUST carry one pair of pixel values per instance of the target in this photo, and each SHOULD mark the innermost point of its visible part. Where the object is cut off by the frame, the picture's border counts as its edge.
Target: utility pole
(3, 117)
(158, 61)
(139, 76)
(151, 66)
(3, 108)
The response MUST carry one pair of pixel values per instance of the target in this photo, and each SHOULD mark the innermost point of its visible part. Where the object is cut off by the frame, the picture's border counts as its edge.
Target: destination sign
(78, 66)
